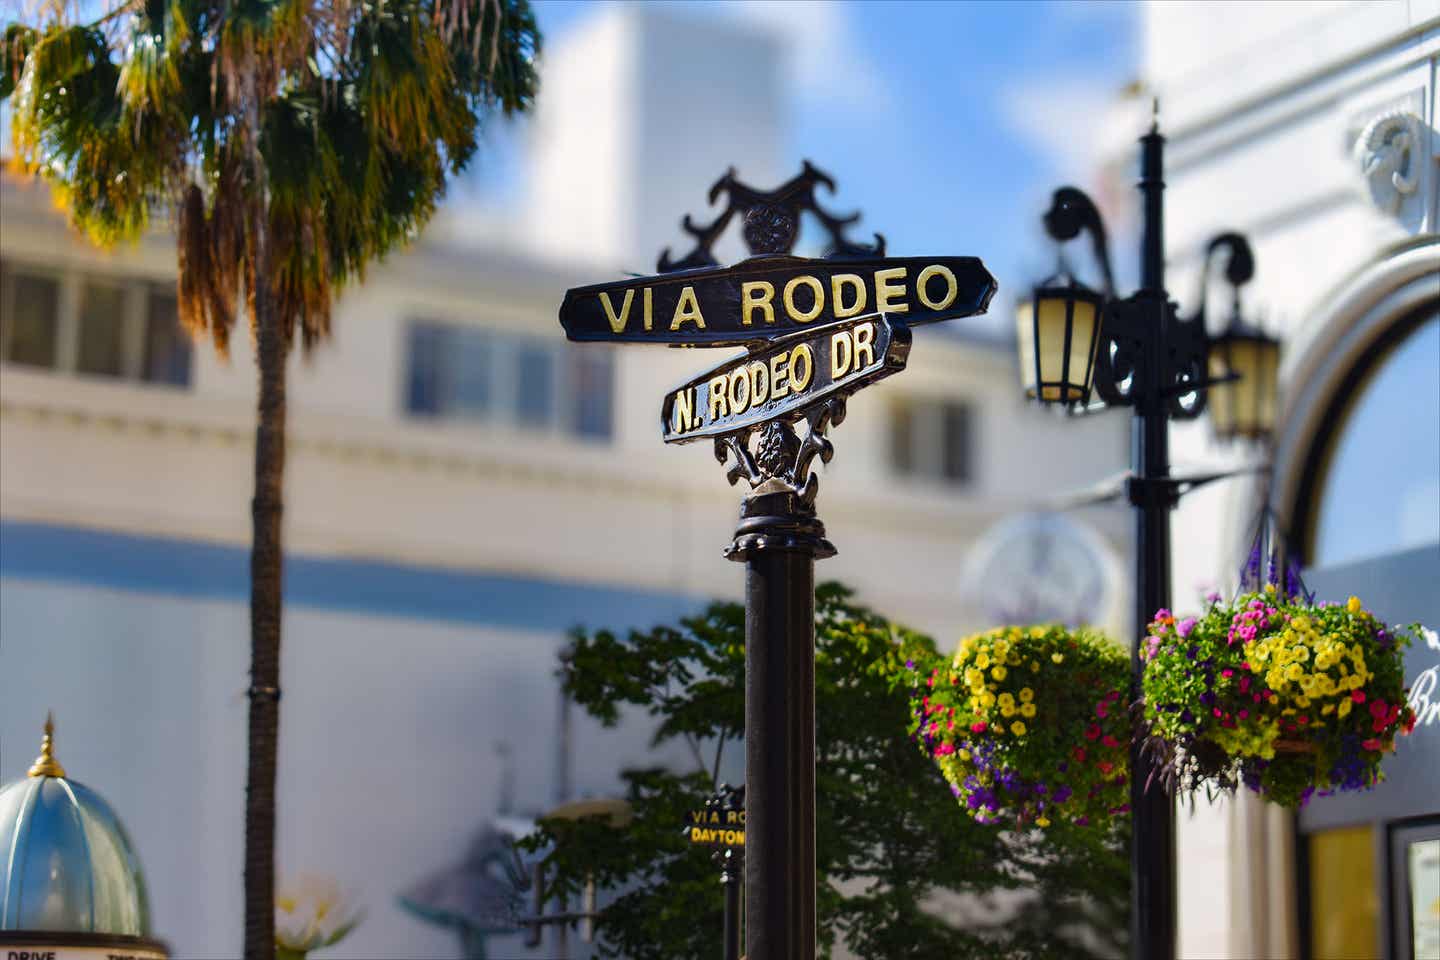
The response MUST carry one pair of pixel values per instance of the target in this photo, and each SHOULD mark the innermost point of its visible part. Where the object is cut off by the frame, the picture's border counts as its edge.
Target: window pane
(1423, 866)
(1344, 907)
(955, 464)
(466, 364)
(167, 347)
(102, 330)
(594, 373)
(424, 351)
(1381, 488)
(31, 314)
(534, 385)
(902, 437)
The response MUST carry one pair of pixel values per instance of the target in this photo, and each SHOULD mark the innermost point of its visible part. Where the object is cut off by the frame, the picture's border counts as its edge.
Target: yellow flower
(1328, 709)
(998, 673)
(987, 699)
(1302, 702)
(1018, 728)
(1034, 667)
(1344, 707)
(1014, 659)
(1007, 699)
(1057, 657)
(982, 660)
(1042, 821)
(1353, 604)
(1027, 709)
(1294, 672)
(1007, 709)
(1037, 632)
(1026, 694)
(963, 754)
(1000, 648)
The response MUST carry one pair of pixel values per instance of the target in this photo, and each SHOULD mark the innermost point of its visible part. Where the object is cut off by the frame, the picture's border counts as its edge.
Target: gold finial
(46, 765)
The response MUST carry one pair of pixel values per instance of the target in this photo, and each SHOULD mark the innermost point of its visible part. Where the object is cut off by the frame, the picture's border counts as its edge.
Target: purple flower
(910, 664)
(1185, 626)
(1062, 793)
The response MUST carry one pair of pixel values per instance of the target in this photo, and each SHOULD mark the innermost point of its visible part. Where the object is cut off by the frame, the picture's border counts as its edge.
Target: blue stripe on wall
(189, 568)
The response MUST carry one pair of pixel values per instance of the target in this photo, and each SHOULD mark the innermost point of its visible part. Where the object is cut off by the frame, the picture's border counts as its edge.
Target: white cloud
(1063, 119)
(829, 64)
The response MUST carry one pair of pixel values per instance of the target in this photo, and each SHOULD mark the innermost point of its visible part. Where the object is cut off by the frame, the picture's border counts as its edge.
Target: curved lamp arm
(1072, 211)
(1239, 267)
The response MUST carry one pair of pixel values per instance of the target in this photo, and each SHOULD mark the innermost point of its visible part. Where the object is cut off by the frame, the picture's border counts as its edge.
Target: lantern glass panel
(1083, 339)
(1025, 345)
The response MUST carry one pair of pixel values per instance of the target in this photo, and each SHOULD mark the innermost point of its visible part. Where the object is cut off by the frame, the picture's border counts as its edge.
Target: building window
(114, 327)
(458, 372)
(932, 440)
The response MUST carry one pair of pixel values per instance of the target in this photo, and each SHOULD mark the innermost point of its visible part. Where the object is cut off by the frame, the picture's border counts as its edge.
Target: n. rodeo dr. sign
(765, 297)
(786, 375)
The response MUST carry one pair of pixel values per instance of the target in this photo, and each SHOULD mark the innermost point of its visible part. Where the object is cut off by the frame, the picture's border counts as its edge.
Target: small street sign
(720, 823)
(784, 377)
(769, 296)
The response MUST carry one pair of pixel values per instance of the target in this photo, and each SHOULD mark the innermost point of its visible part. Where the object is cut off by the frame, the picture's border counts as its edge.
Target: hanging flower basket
(1286, 696)
(1028, 724)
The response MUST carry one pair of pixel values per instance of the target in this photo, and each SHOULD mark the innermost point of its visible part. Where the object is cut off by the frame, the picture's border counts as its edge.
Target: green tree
(291, 142)
(891, 842)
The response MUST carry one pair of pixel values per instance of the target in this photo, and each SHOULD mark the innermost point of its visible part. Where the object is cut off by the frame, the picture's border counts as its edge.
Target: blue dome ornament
(70, 884)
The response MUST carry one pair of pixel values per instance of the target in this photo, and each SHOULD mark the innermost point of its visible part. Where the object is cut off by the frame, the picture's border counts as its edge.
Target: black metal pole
(730, 880)
(779, 539)
(1152, 856)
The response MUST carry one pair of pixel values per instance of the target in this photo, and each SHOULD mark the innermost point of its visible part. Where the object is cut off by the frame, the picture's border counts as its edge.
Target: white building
(1312, 128)
(463, 486)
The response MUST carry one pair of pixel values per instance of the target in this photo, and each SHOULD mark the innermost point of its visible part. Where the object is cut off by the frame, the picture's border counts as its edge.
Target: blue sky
(992, 105)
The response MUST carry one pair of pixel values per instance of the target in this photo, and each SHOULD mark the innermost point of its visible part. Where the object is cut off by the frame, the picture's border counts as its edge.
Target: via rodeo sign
(815, 330)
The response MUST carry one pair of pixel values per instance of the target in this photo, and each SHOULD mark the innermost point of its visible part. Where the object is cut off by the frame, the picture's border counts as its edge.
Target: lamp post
(1144, 356)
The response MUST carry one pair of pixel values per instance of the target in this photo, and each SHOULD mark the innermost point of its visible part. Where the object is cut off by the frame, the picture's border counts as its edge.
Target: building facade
(463, 487)
(1312, 129)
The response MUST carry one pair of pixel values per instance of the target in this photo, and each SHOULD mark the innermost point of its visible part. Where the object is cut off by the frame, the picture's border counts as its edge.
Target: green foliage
(1028, 724)
(1285, 696)
(359, 111)
(890, 843)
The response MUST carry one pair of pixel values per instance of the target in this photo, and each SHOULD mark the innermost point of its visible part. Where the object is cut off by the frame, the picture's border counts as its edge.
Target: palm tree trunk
(266, 563)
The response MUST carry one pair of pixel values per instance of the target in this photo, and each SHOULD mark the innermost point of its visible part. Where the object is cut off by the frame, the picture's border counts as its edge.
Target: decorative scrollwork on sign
(771, 220)
(774, 456)
(1388, 151)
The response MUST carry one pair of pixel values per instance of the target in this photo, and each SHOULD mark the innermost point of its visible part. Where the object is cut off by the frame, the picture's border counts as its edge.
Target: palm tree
(291, 142)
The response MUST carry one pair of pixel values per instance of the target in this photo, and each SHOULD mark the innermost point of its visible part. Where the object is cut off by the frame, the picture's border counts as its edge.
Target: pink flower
(1217, 711)
(1106, 766)
(1185, 626)
(1357, 695)
(1092, 732)
(1227, 673)
(1079, 754)
(1244, 714)
(944, 748)
(1101, 710)
(1371, 744)
(978, 726)
(1110, 741)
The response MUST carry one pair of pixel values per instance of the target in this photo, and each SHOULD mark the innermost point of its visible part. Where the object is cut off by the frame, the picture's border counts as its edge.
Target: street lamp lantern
(1058, 331)
(1243, 361)
(1249, 359)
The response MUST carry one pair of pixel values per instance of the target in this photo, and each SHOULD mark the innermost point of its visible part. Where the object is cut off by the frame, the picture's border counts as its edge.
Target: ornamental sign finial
(46, 765)
(771, 220)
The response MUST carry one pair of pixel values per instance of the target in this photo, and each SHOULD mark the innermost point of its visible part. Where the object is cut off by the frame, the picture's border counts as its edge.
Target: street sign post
(721, 824)
(815, 330)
